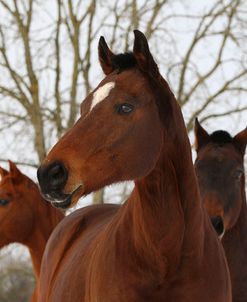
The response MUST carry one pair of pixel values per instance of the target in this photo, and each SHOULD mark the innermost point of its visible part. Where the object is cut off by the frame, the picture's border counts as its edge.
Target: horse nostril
(57, 176)
(52, 177)
(218, 224)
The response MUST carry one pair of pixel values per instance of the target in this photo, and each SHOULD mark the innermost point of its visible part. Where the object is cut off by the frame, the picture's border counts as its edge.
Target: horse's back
(63, 259)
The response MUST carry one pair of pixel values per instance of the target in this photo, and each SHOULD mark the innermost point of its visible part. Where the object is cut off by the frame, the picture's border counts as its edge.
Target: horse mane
(221, 137)
(123, 61)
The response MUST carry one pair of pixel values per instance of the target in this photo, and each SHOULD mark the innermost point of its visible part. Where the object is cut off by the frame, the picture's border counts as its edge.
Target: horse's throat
(166, 206)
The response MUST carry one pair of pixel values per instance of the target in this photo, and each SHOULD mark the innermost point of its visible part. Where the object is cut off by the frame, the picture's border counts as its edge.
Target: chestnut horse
(160, 245)
(24, 216)
(220, 170)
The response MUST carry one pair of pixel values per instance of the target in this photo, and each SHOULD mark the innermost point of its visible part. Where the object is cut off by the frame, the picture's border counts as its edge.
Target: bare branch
(218, 61)
(20, 163)
(223, 89)
(200, 32)
(221, 114)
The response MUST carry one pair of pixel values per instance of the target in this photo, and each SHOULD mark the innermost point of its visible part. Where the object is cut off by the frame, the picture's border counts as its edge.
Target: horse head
(220, 169)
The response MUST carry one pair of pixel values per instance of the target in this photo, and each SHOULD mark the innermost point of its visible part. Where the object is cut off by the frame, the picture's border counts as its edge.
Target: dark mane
(221, 137)
(123, 61)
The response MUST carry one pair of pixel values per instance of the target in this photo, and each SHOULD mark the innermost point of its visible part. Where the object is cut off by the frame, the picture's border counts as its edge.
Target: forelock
(123, 61)
(221, 137)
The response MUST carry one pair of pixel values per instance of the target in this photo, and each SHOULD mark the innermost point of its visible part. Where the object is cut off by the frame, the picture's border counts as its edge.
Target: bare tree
(16, 277)
(194, 84)
(47, 54)
(48, 51)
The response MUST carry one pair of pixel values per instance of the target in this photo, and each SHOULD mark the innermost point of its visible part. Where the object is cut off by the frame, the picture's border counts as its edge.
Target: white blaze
(101, 93)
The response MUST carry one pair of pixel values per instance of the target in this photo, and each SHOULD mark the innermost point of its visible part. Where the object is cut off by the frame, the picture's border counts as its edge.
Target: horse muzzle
(52, 180)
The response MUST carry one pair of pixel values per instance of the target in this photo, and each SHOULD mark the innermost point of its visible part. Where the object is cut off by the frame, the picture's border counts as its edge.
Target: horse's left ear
(105, 56)
(143, 55)
(240, 141)
(15, 173)
(201, 135)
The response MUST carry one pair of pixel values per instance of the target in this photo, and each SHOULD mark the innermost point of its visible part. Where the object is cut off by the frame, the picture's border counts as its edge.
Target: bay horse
(158, 246)
(220, 170)
(24, 215)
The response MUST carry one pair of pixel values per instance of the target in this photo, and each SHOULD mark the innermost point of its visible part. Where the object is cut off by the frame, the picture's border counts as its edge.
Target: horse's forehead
(128, 81)
(220, 152)
(132, 80)
(101, 93)
(6, 184)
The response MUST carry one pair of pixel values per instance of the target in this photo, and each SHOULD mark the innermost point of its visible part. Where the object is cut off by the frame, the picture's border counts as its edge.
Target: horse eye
(125, 108)
(239, 174)
(3, 202)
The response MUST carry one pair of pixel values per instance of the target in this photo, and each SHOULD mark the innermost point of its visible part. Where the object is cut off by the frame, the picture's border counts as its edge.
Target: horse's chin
(76, 195)
(67, 200)
(62, 204)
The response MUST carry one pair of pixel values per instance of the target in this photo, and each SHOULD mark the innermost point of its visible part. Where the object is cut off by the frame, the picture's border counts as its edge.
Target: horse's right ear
(3, 173)
(14, 172)
(105, 56)
(240, 141)
(201, 135)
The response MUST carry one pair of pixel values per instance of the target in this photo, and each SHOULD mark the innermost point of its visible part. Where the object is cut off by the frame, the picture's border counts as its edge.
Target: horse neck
(237, 233)
(45, 219)
(164, 206)
(242, 220)
(235, 246)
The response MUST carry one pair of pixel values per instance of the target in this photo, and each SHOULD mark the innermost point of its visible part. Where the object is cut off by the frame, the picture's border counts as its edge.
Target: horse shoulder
(71, 238)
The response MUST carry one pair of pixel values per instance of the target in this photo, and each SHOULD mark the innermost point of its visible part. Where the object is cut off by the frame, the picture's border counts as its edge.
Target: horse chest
(126, 287)
(136, 293)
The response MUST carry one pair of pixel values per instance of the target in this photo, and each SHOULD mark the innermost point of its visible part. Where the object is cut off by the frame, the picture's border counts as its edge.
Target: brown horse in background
(25, 217)
(158, 246)
(220, 170)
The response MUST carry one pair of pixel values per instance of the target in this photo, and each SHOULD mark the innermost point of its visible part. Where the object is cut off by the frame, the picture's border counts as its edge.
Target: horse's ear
(201, 135)
(14, 172)
(3, 173)
(105, 56)
(143, 55)
(240, 141)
